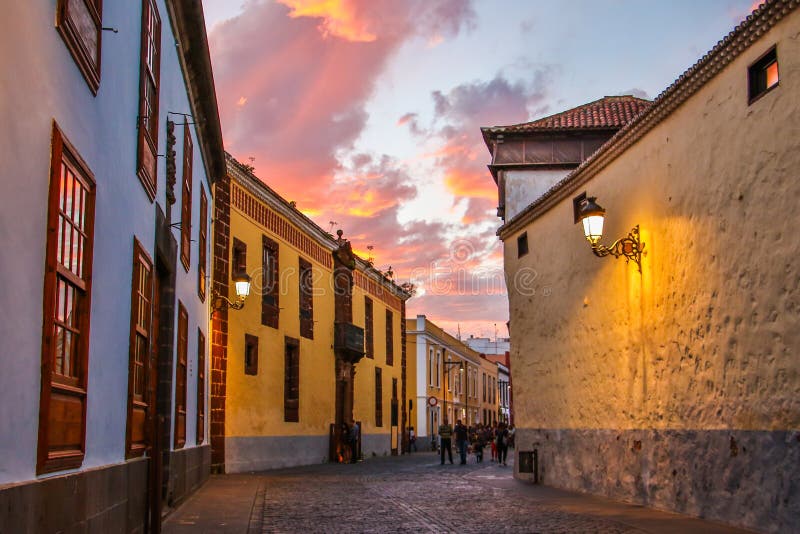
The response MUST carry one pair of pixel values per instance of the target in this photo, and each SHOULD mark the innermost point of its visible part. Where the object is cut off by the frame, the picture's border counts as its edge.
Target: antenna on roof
(332, 223)
(459, 331)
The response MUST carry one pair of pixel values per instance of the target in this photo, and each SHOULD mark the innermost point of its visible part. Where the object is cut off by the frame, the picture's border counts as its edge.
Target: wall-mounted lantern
(591, 214)
(241, 284)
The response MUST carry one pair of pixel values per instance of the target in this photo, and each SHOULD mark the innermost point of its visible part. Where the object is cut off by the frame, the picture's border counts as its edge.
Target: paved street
(408, 494)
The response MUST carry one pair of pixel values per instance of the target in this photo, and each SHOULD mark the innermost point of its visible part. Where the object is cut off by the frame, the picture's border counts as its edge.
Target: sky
(367, 113)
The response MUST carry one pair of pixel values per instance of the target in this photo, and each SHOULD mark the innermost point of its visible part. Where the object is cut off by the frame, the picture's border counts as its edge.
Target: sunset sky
(367, 113)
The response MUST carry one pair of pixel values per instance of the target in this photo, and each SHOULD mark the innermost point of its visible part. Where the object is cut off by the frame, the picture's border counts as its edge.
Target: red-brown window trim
(202, 246)
(369, 335)
(250, 354)
(389, 337)
(180, 376)
(378, 397)
(75, 41)
(186, 197)
(291, 381)
(148, 121)
(270, 282)
(201, 387)
(49, 459)
(141, 261)
(306, 280)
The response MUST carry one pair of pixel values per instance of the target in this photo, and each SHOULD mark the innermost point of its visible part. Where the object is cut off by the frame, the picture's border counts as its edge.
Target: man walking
(462, 435)
(445, 435)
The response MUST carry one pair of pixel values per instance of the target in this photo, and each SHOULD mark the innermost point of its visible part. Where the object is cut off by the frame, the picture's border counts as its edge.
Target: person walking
(412, 439)
(502, 443)
(462, 437)
(354, 434)
(445, 435)
(492, 439)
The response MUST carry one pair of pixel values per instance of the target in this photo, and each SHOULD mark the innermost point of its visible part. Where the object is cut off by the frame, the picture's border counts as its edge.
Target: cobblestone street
(410, 494)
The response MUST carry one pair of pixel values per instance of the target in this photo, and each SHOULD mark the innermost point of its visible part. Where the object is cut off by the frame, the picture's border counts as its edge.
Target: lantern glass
(242, 285)
(593, 228)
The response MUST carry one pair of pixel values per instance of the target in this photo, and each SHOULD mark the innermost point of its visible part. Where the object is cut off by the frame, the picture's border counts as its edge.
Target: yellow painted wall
(255, 404)
(364, 388)
(706, 337)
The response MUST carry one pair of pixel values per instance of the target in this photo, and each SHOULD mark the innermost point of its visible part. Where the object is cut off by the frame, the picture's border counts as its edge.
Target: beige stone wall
(706, 338)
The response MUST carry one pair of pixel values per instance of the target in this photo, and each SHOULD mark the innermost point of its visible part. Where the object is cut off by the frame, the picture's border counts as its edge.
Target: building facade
(111, 144)
(497, 351)
(317, 345)
(678, 368)
(446, 380)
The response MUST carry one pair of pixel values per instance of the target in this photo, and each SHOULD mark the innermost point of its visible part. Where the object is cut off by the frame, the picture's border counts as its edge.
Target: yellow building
(445, 378)
(288, 368)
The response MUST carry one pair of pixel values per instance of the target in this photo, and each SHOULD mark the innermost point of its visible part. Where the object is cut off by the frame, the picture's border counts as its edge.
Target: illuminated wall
(678, 387)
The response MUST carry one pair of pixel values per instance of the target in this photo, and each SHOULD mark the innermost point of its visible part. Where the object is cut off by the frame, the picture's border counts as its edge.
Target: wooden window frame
(270, 282)
(181, 365)
(389, 338)
(201, 388)
(202, 246)
(757, 75)
(141, 403)
(186, 197)
(369, 335)
(291, 382)
(250, 355)
(70, 31)
(238, 257)
(70, 389)
(306, 287)
(149, 73)
(378, 397)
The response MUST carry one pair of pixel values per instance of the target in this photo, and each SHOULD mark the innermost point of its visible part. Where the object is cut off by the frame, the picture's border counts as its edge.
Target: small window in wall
(149, 89)
(180, 376)
(202, 245)
(291, 384)
(522, 245)
(67, 306)
(763, 75)
(378, 397)
(186, 197)
(369, 337)
(201, 386)
(79, 23)
(250, 354)
(238, 257)
(141, 335)
(306, 300)
(270, 292)
(389, 338)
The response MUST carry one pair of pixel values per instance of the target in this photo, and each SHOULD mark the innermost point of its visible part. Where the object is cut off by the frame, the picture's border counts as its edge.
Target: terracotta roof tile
(612, 112)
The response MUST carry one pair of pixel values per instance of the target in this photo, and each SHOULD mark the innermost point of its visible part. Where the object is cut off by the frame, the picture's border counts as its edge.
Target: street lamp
(241, 284)
(592, 215)
(447, 365)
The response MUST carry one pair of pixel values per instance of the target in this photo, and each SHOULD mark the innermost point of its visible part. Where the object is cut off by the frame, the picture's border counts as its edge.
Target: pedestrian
(354, 433)
(461, 440)
(511, 433)
(412, 439)
(445, 435)
(502, 443)
(478, 444)
(492, 438)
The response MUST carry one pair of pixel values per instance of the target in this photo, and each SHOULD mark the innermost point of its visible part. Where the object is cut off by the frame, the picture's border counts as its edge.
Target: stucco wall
(678, 387)
(523, 187)
(39, 86)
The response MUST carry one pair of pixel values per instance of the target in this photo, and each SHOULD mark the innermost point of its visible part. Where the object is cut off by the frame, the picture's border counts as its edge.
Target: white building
(445, 379)
(103, 278)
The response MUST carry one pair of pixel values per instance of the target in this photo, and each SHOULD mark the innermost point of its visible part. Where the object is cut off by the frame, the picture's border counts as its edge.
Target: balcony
(348, 341)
